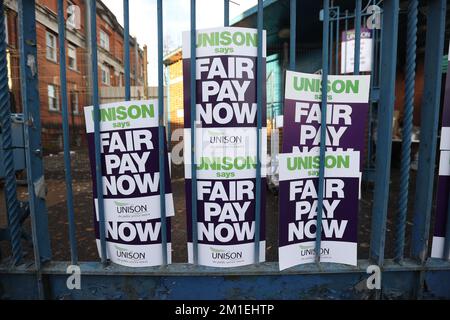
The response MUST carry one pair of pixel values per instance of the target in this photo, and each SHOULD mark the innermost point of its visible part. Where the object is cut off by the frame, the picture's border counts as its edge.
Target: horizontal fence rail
(403, 276)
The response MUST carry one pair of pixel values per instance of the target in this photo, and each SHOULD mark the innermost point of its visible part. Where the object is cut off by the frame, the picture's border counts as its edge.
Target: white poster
(348, 51)
(226, 140)
(129, 142)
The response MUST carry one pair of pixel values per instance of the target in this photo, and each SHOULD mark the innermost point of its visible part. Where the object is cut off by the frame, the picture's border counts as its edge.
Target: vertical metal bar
(380, 48)
(410, 82)
(330, 45)
(293, 35)
(65, 125)
(193, 92)
(12, 204)
(357, 36)
(447, 234)
(32, 134)
(162, 167)
(259, 96)
(429, 127)
(374, 46)
(373, 83)
(323, 125)
(346, 43)
(126, 23)
(384, 140)
(336, 58)
(226, 13)
(95, 99)
(31, 107)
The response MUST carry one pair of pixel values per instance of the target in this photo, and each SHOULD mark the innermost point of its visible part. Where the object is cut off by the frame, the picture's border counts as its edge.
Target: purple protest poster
(347, 112)
(130, 175)
(443, 192)
(226, 155)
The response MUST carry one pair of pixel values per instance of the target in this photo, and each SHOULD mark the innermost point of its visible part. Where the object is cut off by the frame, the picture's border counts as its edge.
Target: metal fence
(408, 275)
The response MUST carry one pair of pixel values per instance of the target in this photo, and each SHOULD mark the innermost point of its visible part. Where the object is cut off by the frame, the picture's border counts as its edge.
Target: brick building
(110, 40)
(174, 87)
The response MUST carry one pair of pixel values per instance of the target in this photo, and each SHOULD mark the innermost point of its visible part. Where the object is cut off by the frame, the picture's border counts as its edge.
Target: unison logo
(216, 137)
(315, 85)
(122, 207)
(313, 162)
(310, 250)
(224, 254)
(128, 254)
(227, 163)
(121, 113)
(227, 38)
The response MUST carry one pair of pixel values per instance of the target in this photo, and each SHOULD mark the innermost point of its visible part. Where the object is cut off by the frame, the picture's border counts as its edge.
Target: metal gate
(405, 276)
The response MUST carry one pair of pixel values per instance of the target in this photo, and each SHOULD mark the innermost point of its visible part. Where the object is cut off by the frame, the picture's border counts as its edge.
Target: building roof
(173, 56)
(276, 21)
(309, 26)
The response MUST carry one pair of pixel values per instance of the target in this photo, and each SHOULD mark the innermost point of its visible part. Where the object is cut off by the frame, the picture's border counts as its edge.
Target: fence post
(447, 234)
(293, 35)
(32, 134)
(410, 82)
(323, 125)
(96, 104)
(429, 126)
(32, 116)
(12, 203)
(338, 36)
(126, 31)
(357, 55)
(193, 91)
(162, 167)
(65, 124)
(384, 138)
(226, 13)
(259, 96)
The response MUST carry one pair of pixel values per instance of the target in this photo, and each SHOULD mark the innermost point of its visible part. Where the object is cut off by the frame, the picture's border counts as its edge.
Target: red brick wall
(176, 93)
(116, 50)
(48, 71)
(176, 102)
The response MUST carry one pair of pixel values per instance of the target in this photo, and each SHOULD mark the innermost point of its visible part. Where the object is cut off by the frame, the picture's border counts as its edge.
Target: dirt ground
(82, 188)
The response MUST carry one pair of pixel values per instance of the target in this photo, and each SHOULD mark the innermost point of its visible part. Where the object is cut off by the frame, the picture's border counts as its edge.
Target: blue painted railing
(161, 142)
(66, 138)
(399, 276)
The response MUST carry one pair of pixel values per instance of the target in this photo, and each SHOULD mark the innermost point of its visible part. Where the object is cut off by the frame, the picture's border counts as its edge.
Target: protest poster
(129, 142)
(348, 51)
(346, 121)
(225, 145)
(443, 191)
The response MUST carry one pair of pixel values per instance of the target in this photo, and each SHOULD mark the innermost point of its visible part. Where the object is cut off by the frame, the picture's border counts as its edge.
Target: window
(119, 53)
(53, 98)
(51, 46)
(121, 79)
(72, 54)
(106, 77)
(104, 40)
(73, 16)
(74, 102)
